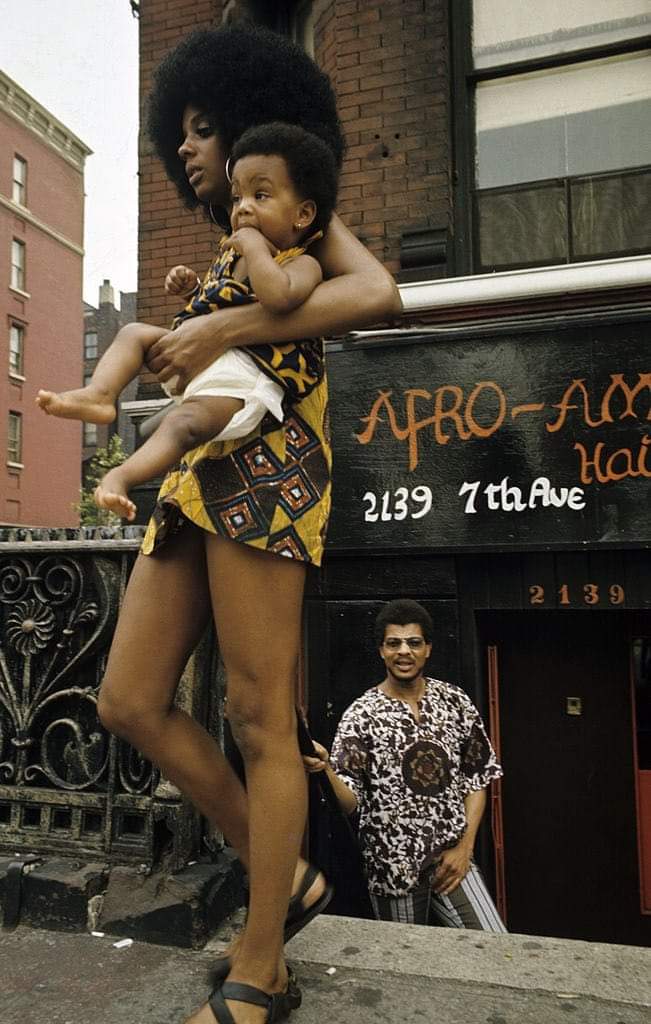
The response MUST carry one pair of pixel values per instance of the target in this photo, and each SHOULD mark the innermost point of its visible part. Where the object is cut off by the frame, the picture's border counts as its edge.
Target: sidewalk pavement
(350, 971)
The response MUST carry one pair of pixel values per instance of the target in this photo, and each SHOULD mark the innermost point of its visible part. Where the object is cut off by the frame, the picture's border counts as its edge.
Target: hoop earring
(228, 171)
(212, 215)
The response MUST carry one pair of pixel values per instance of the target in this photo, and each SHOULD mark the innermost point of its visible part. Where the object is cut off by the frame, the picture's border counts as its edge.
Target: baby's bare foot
(88, 404)
(111, 493)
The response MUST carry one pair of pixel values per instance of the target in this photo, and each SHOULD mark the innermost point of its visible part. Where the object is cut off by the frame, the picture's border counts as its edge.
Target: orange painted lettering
(565, 405)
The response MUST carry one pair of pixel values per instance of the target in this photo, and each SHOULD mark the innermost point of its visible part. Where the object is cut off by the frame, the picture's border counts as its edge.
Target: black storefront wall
(479, 440)
(498, 471)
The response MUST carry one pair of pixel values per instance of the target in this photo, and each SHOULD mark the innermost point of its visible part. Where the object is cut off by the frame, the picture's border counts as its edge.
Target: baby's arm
(279, 288)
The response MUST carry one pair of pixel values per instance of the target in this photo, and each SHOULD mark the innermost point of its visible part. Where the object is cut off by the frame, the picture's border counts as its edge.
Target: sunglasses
(414, 643)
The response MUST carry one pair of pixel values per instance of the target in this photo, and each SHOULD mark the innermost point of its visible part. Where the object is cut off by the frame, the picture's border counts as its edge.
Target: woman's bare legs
(152, 643)
(257, 601)
(165, 610)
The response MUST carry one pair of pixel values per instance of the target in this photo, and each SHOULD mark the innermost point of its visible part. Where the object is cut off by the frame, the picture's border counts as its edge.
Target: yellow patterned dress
(271, 489)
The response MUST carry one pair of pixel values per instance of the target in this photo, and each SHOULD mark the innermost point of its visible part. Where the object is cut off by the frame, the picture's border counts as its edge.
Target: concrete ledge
(383, 974)
(55, 893)
(558, 966)
(177, 909)
(181, 909)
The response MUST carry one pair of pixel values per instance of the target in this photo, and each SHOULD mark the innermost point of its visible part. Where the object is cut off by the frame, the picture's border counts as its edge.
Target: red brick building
(41, 254)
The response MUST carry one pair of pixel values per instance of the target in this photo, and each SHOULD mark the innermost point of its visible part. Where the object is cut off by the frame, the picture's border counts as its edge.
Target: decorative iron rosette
(29, 626)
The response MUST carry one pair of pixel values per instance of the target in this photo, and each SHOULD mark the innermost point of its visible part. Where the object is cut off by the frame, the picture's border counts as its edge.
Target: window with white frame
(89, 438)
(18, 264)
(90, 345)
(16, 349)
(562, 101)
(89, 432)
(19, 182)
(15, 438)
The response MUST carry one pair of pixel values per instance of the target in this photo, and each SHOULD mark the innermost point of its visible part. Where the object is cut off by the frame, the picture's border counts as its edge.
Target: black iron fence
(66, 785)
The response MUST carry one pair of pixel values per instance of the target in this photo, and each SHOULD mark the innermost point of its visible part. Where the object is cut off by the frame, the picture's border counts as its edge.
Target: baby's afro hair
(310, 163)
(238, 77)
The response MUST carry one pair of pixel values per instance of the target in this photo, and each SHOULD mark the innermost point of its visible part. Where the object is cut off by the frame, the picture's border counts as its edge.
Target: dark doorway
(570, 830)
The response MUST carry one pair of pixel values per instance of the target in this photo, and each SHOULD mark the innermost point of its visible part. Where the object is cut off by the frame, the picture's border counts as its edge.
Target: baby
(284, 185)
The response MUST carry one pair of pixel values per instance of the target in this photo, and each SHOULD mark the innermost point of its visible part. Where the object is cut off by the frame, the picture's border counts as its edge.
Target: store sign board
(493, 441)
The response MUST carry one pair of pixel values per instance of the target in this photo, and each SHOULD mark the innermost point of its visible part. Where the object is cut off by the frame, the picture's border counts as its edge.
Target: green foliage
(103, 460)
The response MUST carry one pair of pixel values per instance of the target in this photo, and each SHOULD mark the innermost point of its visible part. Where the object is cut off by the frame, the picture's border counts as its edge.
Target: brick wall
(168, 232)
(43, 491)
(388, 63)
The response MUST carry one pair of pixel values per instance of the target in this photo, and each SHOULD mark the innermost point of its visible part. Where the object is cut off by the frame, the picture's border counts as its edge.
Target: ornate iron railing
(66, 785)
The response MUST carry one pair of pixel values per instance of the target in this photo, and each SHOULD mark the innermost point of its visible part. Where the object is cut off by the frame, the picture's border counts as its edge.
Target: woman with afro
(239, 521)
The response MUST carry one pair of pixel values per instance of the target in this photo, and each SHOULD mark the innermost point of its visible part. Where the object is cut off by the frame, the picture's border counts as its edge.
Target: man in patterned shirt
(412, 759)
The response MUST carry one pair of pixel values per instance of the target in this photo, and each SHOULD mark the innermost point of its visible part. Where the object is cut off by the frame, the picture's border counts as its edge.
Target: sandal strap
(219, 1008)
(241, 993)
(278, 1006)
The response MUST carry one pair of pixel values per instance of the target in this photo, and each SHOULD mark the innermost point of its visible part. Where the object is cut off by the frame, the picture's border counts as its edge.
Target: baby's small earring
(298, 227)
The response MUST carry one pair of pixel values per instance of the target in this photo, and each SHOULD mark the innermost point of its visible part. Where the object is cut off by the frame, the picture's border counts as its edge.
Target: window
(562, 151)
(18, 264)
(89, 433)
(19, 183)
(89, 437)
(15, 438)
(90, 345)
(16, 348)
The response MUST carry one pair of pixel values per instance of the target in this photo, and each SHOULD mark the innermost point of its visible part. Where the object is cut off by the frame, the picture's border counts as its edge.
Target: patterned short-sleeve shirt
(410, 778)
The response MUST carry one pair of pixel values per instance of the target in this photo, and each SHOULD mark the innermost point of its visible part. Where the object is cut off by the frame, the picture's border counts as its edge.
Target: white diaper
(236, 375)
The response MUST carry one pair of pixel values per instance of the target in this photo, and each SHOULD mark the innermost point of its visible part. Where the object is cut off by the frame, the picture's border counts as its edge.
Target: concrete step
(350, 972)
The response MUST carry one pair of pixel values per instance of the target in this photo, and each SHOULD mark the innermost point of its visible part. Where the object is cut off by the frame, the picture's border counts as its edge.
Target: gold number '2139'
(590, 594)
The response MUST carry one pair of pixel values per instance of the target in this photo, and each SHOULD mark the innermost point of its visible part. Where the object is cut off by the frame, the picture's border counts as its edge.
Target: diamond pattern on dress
(297, 495)
(300, 437)
(258, 462)
(288, 544)
(241, 520)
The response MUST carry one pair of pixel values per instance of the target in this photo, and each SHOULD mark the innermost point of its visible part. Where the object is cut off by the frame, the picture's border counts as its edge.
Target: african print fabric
(298, 365)
(410, 778)
(271, 489)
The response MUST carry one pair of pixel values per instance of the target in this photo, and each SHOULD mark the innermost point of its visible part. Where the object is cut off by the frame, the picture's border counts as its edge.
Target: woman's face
(204, 159)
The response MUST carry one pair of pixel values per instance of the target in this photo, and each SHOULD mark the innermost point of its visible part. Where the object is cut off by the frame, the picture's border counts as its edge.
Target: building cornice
(517, 285)
(18, 104)
(24, 214)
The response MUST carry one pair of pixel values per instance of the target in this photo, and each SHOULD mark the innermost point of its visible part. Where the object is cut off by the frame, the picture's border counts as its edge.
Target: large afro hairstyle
(310, 162)
(239, 77)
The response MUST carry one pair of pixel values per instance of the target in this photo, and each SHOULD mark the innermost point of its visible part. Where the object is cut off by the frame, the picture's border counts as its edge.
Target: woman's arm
(358, 292)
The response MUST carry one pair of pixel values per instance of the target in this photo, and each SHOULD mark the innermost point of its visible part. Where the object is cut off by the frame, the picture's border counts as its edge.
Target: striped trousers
(469, 906)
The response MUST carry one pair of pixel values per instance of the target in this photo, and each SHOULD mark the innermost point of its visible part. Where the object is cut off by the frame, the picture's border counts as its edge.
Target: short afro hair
(401, 613)
(238, 77)
(310, 163)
